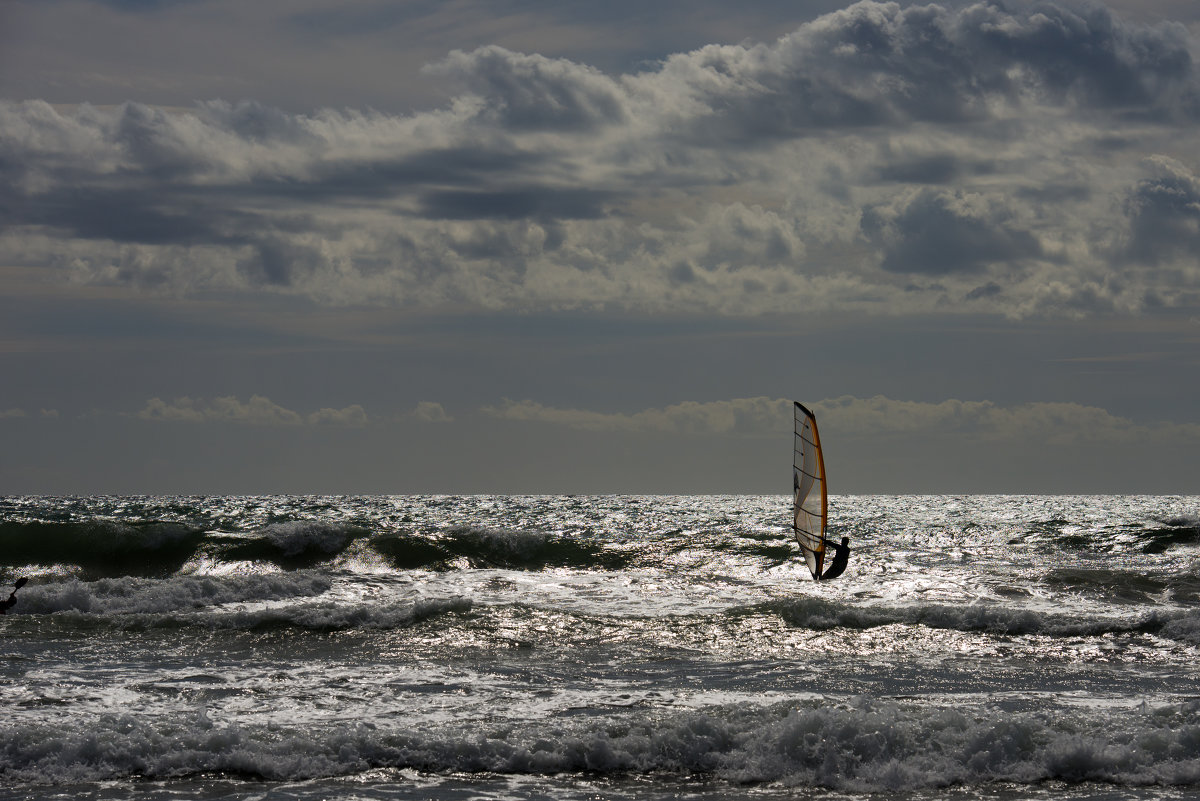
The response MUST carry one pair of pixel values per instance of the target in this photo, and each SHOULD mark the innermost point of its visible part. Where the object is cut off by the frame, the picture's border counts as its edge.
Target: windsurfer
(12, 598)
(841, 556)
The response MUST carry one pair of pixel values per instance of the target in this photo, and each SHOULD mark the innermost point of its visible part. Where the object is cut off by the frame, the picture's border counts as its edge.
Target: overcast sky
(534, 246)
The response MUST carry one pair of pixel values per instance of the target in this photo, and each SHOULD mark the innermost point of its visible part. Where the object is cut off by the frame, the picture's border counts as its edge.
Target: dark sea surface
(580, 647)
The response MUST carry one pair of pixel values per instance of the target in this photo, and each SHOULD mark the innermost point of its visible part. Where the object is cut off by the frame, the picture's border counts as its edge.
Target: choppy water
(599, 647)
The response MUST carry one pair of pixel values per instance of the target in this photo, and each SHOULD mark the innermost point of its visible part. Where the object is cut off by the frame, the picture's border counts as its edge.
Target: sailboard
(810, 503)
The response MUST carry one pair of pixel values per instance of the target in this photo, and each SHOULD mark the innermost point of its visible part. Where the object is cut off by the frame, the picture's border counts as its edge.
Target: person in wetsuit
(12, 598)
(841, 556)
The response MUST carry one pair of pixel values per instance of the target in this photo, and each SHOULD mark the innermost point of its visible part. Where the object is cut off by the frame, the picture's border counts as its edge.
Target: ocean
(599, 647)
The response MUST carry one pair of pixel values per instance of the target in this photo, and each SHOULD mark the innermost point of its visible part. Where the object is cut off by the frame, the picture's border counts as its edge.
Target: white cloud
(531, 92)
(352, 415)
(431, 412)
(257, 411)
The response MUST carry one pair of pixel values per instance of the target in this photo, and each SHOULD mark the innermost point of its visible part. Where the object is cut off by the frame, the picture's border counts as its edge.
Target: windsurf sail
(810, 501)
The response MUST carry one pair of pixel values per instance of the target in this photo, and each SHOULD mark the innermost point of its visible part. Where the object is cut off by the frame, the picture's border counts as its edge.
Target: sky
(522, 246)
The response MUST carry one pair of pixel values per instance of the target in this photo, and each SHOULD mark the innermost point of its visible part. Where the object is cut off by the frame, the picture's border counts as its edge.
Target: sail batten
(810, 498)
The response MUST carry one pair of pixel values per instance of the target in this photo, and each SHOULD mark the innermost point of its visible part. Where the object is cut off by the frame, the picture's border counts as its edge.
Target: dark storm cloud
(277, 262)
(937, 168)
(1164, 213)
(800, 174)
(539, 203)
(1087, 54)
(121, 216)
(1055, 193)
(350, 179)
(936, 232)
(988, 290)
(126, 215)
(941, 168)
(879, 64)
(464, 166)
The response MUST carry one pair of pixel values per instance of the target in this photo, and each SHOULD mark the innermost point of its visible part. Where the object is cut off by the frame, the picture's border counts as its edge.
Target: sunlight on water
(569, 647)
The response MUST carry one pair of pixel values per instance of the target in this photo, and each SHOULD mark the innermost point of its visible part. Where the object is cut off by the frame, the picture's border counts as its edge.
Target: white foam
(992, 618)
(230, 602)
(337, 616)
(860, 746)
(173, 595)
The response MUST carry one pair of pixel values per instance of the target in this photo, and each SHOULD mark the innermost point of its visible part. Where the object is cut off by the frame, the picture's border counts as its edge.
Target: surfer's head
(845, 540)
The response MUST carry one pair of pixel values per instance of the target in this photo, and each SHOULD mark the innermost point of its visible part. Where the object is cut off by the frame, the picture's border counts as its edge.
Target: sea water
(568, 647)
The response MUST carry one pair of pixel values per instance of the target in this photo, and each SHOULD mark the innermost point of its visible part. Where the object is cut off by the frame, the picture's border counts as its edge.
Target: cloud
(11, 413)
(876, 64)
(539, 203)
(833, 169)
(1164, 214)
(535, 93)
(938, 232)
(847, 416)
(1054, 423)
(352, 415)
(752, 416)
(258, 411)
(431, 412)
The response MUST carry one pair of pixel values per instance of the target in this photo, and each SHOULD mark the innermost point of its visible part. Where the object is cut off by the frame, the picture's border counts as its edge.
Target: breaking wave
(144, 596)
(108, 549)
(860, 746)
(338, 617)
(819, 614)
(1125, 586)
(292, 545)
(1176, 531)
(278, 600)
(526, 549)
(101, 547)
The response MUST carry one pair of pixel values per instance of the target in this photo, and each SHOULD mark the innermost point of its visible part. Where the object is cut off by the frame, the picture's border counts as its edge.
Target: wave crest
(277, 600)
(341, 617)
(861, 746)
(171, 596)
(483, 547)
(819, 614)
(101, 547)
